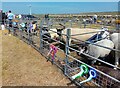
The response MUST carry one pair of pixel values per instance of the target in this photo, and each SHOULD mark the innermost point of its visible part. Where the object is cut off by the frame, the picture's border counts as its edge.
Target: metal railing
(68, 63)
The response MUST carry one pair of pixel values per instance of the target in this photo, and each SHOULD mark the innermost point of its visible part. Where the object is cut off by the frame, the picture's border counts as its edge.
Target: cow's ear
(85, 48)
(62, 29)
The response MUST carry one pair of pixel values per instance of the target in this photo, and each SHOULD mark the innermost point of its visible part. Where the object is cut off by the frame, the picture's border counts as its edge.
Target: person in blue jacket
(10, 17)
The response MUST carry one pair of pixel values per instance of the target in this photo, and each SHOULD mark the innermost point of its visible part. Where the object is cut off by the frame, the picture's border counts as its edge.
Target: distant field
(80, 16)
(101, 13)
(91, 13)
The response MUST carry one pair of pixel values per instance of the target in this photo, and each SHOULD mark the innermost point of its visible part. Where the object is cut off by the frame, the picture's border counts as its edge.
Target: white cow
(80, 31)
(53, 33)
(97, 51)
(73, 32)
(115, 38)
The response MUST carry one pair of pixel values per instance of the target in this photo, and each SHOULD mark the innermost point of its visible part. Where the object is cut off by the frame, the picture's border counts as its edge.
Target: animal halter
(22, 25)
(53, 51)
(84, 70)
(92, 74)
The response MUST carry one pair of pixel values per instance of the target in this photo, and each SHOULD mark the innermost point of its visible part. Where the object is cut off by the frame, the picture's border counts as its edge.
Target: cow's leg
(93, 62)
(116, 60)
(69, 45)
(116, 57)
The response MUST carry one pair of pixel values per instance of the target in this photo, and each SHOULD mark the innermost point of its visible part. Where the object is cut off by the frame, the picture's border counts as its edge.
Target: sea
(58, 7)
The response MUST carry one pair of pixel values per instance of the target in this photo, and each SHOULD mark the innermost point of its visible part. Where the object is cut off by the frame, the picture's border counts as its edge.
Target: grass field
(24, 66)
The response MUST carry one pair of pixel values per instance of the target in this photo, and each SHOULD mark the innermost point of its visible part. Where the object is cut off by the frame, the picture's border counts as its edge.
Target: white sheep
(97, 51)
(115, 38)
(73, 32)
(53, 33)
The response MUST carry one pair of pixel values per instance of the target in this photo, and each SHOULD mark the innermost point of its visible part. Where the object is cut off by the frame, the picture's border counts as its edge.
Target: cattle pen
(68, 62)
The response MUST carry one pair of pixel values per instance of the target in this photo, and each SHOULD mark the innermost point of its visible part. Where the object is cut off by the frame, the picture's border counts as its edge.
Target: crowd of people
(8, 19)
(92, 19)
(8, 16)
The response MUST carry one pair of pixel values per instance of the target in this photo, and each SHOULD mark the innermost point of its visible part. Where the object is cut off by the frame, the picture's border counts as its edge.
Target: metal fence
(66, 61)
(87, 21)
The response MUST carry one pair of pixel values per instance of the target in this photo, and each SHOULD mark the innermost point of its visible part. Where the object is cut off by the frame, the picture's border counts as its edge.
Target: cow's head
(45, 34)
(82, 48)
(59, 30)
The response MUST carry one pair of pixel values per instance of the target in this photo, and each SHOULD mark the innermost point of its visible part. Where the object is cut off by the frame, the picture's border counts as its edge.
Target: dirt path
(24, 66)
(0, 58)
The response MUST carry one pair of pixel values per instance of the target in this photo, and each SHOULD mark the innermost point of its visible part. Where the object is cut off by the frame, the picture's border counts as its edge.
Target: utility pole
(30, 9)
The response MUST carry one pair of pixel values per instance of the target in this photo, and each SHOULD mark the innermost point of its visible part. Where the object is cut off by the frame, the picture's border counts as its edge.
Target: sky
(45, 7)
(60, 0)
(60, 7)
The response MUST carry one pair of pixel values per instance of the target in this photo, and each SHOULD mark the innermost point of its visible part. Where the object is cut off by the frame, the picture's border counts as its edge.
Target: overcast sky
(60, 0)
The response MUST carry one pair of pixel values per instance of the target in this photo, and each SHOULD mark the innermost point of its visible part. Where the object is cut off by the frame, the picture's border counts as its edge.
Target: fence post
(28, 23)
(70, 22)
(29, 40)
(67, 49)
(19, 28)
(85, 24)
(41, 37)
(13, 29)
(21, 34)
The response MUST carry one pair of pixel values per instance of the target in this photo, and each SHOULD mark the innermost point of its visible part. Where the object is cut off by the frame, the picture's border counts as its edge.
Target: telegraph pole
(30, 9)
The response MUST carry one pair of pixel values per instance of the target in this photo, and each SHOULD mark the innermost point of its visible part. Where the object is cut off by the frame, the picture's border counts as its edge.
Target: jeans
(94, 38)
(10, 22)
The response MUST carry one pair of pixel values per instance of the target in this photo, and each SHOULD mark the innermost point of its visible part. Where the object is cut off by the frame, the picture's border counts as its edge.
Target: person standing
(0, 15)
(3, 18)
(20, 17)
(10, 16)
(95, 19)
(47, 18)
